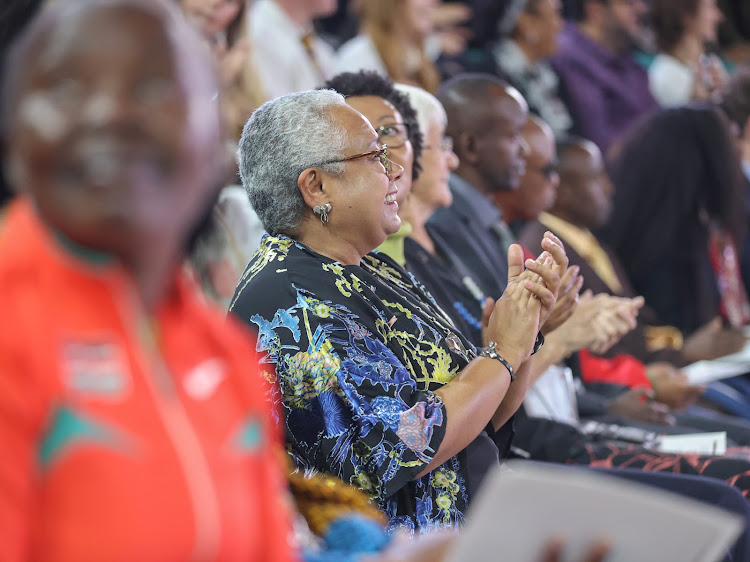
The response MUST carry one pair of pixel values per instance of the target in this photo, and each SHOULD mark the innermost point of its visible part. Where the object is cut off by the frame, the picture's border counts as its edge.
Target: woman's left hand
(567, 299)
(546, 271)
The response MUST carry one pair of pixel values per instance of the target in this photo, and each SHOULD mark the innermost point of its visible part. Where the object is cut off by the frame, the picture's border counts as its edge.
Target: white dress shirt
(282, 60)
(670, 80)
(359, 53)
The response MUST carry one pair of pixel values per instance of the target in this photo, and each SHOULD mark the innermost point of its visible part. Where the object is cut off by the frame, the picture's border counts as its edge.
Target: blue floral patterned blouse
(358, 353)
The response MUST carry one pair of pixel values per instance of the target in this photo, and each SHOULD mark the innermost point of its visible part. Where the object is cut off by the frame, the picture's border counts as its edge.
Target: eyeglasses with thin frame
(382, 154)
(393, 135)
(446, 145)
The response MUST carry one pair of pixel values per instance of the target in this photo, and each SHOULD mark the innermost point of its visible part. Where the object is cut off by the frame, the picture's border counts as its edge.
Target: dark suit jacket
(464, 232)
(634, 342)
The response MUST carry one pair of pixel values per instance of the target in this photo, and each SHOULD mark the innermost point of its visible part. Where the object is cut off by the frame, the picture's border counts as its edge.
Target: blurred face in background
(585, 188)
(391, 130)
(623, 19)
(438, 161)
(418, 16)
(705, 21)
(102, 131)
(212, 16)
(539, 26)
(499, 148)
(539, 184)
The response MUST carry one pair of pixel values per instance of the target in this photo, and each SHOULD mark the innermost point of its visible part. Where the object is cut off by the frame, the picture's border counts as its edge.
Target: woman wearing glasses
(376, 384)
(395, 122)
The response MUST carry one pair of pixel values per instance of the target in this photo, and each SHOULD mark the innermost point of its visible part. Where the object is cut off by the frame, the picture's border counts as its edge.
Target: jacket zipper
(184, 439)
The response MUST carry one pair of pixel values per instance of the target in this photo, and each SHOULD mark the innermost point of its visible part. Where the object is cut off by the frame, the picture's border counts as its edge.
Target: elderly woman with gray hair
(376, 384)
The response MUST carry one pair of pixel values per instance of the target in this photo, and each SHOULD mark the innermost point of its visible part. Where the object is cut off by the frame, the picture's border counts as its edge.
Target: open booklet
(522, 505)
(703, 372)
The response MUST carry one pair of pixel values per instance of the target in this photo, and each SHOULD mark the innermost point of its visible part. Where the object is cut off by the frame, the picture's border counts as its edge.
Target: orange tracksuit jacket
(124, 437)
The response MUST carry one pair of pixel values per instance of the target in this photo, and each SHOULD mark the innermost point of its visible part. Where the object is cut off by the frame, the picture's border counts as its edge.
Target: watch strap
(491, 352)
(538, 342)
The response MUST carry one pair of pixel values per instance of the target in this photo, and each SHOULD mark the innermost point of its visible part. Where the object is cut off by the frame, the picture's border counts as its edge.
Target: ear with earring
(323, 211)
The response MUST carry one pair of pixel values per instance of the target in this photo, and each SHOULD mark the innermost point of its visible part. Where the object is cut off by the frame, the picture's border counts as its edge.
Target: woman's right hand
(514, 320)
(567, 300)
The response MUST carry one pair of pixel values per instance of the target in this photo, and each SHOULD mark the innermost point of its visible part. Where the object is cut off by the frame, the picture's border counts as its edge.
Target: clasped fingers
(556, 249)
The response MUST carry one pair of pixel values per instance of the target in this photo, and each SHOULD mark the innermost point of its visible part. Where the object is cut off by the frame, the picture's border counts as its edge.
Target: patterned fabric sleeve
(350, 405)
(357, 354)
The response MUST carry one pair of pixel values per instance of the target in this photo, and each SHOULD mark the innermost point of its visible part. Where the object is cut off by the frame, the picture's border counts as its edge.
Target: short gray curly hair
(283, 137)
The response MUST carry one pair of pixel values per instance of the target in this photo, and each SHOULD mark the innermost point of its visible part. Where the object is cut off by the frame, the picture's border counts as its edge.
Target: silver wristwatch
(491, 352)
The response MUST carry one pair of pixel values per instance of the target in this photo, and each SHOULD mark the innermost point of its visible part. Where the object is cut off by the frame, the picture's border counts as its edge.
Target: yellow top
(393, 246)
(587, 246)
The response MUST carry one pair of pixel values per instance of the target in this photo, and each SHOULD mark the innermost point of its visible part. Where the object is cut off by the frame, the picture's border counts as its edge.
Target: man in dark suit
(485, 118)
(577, 190)
(582, 205)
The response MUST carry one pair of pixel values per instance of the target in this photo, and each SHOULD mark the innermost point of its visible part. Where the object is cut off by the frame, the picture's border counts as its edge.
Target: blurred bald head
(539, 183)
(584, 197)
(485, 118)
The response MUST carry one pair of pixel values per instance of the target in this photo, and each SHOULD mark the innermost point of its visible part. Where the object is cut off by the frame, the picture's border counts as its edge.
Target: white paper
(517, 510)
(699, 443)
(704, 372)
(742, 357)
(553, 396)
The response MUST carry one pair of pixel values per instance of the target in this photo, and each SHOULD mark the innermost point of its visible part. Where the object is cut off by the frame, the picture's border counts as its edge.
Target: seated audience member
(392, 42)
(423, 256)
(376, 384)
(393, 118)
(225, 245)
(532, 28)
(485, 118)
(581, 181)
(604, 88)
(583, 203)
(224, 26)
(682, 71)
(734, 102)
(677, 214)
(125, 404)
(288, 54)
(457, 294)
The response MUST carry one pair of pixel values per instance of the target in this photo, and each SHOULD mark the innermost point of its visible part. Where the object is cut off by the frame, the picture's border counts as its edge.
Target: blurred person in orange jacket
(133, 419)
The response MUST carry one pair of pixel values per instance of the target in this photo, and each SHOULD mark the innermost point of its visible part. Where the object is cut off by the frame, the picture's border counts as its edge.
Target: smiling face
(212, 16)
(432, 188)
(501, 149)
(389, 124)
(363, 197)
(102, 136)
